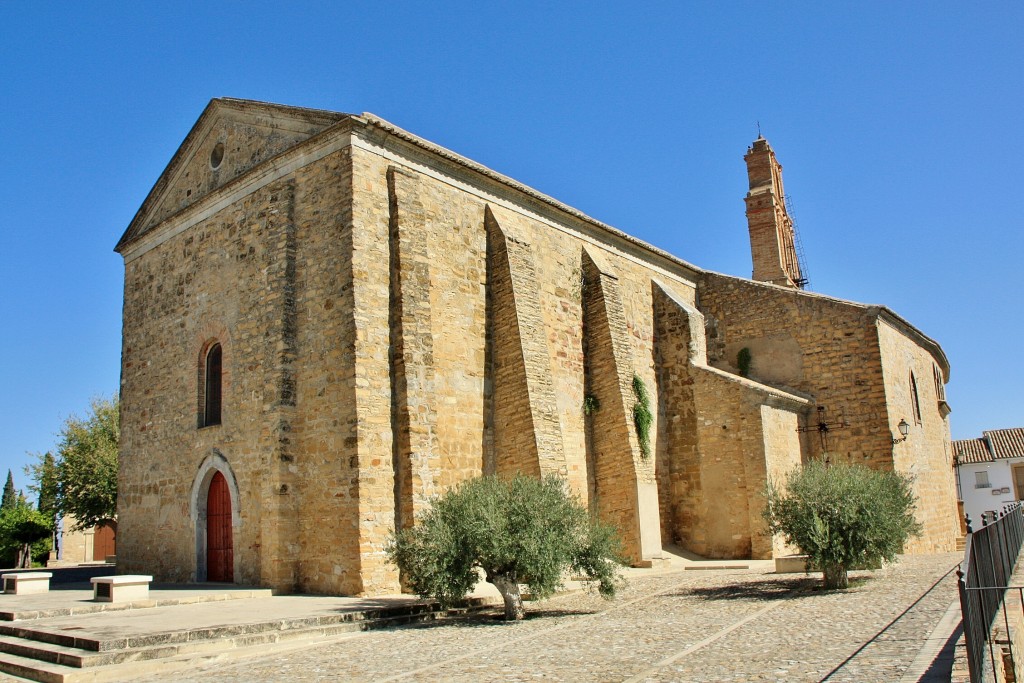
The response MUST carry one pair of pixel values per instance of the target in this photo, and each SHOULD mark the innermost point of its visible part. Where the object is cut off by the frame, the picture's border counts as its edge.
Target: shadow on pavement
(779, 589)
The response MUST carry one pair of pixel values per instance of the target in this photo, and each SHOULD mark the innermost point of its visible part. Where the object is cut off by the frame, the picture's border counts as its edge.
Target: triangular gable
(230, 138)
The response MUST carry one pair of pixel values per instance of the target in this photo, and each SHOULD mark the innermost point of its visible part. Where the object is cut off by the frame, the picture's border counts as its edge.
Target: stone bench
(791, 564)
(123, 588)
(27, 583)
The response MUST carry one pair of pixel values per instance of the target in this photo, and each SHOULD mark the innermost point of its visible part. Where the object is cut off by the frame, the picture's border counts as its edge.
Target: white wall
(979, 500)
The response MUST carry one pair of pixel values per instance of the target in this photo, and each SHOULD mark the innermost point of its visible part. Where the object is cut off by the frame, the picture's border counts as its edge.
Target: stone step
(33, 669)
(40, 660)
(85, 641)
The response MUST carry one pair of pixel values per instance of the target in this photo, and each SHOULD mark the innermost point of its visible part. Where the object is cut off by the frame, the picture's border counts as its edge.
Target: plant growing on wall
(591, 404)
(517, 531)
(642, 416)
(843, 516)
(743, 362)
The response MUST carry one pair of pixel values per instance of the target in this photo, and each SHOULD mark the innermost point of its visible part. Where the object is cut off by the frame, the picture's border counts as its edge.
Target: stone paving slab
(149, 624)
(678, 626)
(79, 601)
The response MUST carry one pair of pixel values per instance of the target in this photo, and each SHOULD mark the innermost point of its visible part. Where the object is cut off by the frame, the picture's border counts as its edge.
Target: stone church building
(329, 320)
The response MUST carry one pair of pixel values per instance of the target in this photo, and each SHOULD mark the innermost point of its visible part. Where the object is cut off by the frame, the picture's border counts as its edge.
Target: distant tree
(21, 526)
(86, 465)
(10, 495)
(517, 531)
(44, 477)
(843, 516)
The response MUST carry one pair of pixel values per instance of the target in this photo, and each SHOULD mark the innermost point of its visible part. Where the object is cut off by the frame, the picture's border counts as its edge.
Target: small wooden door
(220, 564)
(1018, 481)
(103, 541)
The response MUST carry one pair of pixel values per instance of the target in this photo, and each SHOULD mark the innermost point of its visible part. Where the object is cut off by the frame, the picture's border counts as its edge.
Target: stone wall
(251, 276)
(816, 345)
(504, 361)
(926, 455)
(723, 437)
(855, 365)
(395, 320)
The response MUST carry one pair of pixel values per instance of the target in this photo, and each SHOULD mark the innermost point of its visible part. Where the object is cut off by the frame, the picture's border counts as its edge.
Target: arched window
(940, 388)
(916, 400)
(212, 381)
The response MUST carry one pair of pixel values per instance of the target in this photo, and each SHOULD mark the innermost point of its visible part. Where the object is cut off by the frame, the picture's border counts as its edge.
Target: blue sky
(899, 126)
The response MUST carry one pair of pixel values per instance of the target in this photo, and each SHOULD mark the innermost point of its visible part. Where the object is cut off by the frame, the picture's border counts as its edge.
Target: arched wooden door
(220, 561)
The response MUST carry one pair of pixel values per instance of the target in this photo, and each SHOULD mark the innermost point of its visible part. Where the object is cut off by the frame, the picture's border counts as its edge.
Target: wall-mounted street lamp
(904, 431)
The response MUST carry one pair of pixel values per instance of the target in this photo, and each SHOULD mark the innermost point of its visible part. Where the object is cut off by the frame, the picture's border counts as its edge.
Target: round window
(217, 155)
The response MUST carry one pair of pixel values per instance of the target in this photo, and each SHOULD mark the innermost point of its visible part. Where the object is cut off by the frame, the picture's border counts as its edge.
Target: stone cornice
(537, 201)
(901, 324)
(774, 397)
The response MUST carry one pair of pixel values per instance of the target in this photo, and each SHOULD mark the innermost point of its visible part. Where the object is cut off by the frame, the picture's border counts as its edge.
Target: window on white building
(981, 480)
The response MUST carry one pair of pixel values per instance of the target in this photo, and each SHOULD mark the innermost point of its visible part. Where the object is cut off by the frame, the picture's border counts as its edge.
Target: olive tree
(516, 531)
(843, 516)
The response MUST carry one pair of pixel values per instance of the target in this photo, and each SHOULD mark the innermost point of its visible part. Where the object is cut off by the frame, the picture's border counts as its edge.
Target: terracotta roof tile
(1006, 443)
(969, 451)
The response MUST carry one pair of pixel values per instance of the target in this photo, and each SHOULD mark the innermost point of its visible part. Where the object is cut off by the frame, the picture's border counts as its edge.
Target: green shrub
(843, 516)
(517, 531)
(743, 359)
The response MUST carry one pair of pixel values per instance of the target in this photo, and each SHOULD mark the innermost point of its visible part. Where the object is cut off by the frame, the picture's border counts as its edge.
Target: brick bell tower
(772, 236)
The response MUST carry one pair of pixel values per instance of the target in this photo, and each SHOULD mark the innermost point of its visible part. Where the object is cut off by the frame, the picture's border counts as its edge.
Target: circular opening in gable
(217, 155)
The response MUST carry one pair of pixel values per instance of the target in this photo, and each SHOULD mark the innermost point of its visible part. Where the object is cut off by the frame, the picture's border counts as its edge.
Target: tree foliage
(86, 465)
(44, 476)
(10, 495)
(843, 516)
(21, 526)
(517, 531)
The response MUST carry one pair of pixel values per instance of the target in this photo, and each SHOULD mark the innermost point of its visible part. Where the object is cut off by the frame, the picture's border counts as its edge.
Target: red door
(103, 541)
(220, 565)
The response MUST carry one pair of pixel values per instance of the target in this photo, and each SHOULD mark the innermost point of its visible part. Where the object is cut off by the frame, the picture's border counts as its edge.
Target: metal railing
(984, 577)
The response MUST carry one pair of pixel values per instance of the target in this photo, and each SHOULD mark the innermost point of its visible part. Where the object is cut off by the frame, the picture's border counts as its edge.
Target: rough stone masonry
(391, 318)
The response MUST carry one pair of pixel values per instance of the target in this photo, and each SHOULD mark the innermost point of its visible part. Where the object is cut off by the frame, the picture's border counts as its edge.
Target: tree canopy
(516, 531)
(21, 526)
(86, 466)
(44, 476)
(843, 516)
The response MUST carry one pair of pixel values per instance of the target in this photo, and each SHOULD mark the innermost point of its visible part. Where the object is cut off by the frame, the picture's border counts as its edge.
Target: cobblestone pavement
(684, 626)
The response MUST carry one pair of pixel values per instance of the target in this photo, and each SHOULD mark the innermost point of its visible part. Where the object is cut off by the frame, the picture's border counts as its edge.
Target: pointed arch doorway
(220, 561)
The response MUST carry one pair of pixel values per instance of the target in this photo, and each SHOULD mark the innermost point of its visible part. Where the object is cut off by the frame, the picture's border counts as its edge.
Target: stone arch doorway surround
(225, 502)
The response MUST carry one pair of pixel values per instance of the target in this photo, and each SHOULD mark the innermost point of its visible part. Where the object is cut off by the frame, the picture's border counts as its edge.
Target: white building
(990, 471)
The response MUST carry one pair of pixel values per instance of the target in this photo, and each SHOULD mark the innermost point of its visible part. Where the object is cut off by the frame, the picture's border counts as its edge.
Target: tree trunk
(25, 556)
(509, 589)
(836, 576)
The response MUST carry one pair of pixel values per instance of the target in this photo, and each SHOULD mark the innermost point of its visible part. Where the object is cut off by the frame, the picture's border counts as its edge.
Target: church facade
(328, 321)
